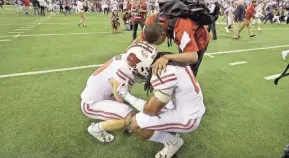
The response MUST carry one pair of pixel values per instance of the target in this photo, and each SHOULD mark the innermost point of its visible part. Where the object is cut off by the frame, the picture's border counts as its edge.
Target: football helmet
(140, 57)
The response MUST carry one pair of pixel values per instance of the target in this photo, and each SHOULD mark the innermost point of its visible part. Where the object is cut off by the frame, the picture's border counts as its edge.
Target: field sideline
(45, 62)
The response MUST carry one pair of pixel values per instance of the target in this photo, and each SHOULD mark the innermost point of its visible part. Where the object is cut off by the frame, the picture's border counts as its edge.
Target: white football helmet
(140, 57)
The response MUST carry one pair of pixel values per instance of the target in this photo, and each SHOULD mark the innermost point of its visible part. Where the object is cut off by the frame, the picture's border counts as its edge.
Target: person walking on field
(42, 4)
(27, 5)
(250, 13)
(239, 17)
(215, 12)
(139, 12)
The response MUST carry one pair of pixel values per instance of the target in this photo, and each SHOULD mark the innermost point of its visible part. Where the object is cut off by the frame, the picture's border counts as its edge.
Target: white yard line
(26, 27)
(15, 32)
(210, 55)
(74, 23)
(22, 29)
(91, 66)
(246, 50)
(272, 77)
(17, 36)
(5, 40)
(5, 36)
(238, 63)
(48, 71)
(31, 25)
(65, 34)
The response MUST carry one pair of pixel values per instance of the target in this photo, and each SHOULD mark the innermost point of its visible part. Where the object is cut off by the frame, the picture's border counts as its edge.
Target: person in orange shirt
(250, 13)
(27, 5)
(139, 12)
(128, 5)
(192, 41)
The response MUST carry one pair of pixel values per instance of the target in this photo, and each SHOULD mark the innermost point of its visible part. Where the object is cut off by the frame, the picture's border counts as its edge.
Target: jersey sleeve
(124, 74)
(184, 35)
(166, 83)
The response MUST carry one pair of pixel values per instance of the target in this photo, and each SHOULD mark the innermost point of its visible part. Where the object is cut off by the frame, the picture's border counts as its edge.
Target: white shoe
(227, 30)
(170, 149)
(102, 136)
(260, 29)
(284, 54)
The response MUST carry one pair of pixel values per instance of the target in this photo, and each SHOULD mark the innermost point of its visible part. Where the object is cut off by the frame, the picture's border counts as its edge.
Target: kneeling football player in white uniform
(100, 99)
(176, 105)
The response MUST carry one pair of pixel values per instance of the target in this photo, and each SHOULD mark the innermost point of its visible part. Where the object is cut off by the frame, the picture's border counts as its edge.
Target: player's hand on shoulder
(160, 66)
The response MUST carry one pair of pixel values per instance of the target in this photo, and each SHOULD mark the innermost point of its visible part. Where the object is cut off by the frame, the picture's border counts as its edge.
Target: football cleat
(102, 136)
(170, 149)
(227, 30)
(284, 54)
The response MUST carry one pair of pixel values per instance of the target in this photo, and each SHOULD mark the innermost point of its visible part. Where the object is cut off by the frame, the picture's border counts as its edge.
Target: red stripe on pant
(172, 126)
(92, 112)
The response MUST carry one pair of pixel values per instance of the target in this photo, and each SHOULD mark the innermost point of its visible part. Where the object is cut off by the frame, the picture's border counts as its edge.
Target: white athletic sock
(97, 127)
(171, 139)
(164, 137)
(159, 137)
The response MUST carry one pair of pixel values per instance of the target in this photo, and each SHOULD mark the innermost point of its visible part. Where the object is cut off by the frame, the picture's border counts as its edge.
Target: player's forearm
(184, 58)
(135, 102)
(118, 98)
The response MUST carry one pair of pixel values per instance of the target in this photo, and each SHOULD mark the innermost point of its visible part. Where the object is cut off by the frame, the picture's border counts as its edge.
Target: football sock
(171, 139)
(97, 127)
(159, 137)
(164, 137)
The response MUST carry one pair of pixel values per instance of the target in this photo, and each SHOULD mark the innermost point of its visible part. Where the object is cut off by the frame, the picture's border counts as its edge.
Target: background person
(215, 12)
(127, 20)
(82, 15)
(248, 16)
(114, 20)
(42, 4)
(239, 17)
(1, 4)
(36, 6)
(139, 12)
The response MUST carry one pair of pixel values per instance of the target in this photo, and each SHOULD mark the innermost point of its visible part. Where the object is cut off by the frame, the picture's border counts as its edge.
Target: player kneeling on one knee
(100, 100)
(176, 105)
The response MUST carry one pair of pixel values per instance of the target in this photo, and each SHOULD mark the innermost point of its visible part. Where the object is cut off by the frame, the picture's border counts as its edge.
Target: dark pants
(282, 18)
(67, 11)
(287, 20)
(269, 17)
(135, 27)
(42, 12)
(195, 67)
(213, 28)
(36, 11)
(105, 10)
(61, 10)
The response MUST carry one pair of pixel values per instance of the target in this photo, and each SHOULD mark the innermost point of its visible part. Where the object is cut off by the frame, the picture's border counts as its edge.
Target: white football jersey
(181, 84)
(98, 86)
(259, 12)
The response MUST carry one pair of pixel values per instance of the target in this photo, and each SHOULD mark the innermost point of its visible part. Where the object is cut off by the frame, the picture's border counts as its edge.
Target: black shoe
(239, 36)
(252, 36)
(215, 38)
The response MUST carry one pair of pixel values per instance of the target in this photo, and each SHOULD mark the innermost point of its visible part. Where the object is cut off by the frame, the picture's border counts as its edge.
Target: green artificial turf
(246, 117)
